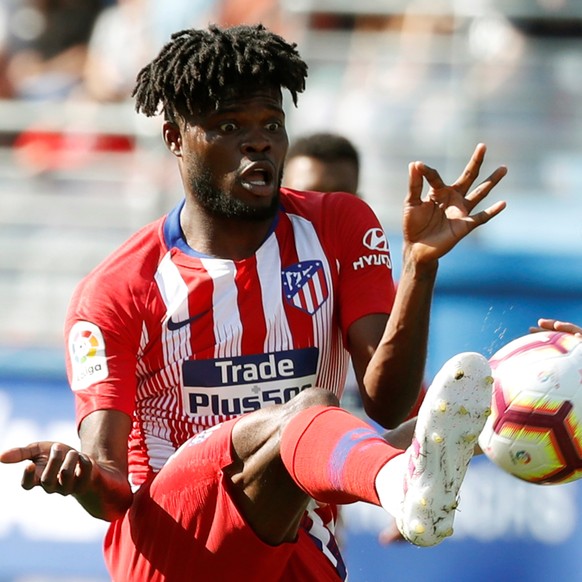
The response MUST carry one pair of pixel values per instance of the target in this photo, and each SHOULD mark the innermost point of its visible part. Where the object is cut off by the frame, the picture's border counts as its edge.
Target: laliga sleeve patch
(87, 354)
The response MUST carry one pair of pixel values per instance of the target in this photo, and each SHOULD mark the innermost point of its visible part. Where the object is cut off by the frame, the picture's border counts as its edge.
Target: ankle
(389, 483)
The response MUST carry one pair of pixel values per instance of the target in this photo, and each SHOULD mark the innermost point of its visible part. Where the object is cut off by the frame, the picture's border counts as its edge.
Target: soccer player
(207, 355)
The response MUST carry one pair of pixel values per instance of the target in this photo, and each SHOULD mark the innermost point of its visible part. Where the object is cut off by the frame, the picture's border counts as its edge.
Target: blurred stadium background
(404, 80)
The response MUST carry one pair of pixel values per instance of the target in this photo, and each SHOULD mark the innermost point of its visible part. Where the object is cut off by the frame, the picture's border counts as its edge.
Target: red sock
(334, 456)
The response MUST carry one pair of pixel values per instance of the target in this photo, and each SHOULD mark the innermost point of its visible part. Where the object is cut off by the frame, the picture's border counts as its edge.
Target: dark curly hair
(194, 70)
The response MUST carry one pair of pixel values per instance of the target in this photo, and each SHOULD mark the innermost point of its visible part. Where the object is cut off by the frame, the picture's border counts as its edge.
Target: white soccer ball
(535, 428)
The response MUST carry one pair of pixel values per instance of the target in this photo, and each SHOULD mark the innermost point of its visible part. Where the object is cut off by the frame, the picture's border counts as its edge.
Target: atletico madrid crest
(305, 286)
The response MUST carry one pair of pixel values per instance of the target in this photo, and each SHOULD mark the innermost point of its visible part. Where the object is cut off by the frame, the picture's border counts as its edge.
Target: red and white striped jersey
(181, 341)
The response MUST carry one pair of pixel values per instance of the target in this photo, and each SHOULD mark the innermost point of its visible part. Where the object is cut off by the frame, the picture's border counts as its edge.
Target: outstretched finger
(547, 324)
(567, 327)
(486, 215)
(483, 189)
(471, 171)
(18, 454)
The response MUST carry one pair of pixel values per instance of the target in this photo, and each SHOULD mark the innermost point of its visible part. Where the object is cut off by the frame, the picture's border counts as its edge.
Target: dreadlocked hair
(195, 68)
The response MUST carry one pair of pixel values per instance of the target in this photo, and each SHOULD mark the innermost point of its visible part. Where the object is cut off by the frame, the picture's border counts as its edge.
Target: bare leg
(265, 493)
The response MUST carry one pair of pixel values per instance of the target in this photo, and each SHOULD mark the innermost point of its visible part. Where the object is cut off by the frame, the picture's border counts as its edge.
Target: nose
(256, 140)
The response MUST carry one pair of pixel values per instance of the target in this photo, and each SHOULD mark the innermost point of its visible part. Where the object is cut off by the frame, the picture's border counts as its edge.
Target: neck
(225, 238)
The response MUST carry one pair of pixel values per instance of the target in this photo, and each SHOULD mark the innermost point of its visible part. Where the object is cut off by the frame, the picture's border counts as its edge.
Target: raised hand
(434, 225)
(556, 325)
(56, 467)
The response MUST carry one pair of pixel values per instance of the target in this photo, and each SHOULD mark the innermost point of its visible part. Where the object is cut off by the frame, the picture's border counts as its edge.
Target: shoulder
(328, 208)
(312, 204)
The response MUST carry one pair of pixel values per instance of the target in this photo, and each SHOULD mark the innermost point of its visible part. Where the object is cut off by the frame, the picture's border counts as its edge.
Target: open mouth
(258, 178)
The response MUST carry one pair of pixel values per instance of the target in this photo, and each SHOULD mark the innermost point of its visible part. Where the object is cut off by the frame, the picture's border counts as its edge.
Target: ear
(172, 138)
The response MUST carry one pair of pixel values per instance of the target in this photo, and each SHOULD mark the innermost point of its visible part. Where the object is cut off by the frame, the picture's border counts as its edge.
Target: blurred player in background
(323, 162)
(208, 354)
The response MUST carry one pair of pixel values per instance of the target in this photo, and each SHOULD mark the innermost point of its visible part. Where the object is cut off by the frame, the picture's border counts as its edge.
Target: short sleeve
(101, 349)
(366, 285)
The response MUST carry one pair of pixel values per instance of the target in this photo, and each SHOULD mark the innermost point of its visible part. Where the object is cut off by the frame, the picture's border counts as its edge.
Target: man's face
(232, 157)
(312, 174)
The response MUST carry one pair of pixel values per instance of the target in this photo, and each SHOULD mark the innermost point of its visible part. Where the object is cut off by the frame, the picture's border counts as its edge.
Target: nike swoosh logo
(175, 325)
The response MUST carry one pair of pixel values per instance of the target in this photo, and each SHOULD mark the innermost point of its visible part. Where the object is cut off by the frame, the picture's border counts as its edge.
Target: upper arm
(104, 436)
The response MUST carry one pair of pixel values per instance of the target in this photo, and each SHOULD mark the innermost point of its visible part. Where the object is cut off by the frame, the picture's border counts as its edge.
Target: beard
(221, 204)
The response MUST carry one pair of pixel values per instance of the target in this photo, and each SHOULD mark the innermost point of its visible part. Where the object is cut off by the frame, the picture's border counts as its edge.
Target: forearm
(395, 372)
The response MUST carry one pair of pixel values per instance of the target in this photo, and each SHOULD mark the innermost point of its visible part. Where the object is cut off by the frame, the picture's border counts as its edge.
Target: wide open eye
(228, 127)
(274, 126)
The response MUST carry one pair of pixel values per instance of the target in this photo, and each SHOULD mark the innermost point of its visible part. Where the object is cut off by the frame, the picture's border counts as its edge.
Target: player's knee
(316, 397)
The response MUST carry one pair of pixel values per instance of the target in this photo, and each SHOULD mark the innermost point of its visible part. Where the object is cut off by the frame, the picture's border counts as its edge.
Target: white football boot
(449, 422)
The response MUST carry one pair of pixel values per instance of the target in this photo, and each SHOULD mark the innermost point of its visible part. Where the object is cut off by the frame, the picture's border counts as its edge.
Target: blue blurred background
(404, 80)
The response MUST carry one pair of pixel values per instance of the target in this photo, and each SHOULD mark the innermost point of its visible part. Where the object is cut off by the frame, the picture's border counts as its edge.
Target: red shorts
(184, 526)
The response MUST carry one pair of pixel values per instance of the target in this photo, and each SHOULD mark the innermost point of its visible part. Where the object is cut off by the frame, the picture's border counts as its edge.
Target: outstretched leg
(308, 448)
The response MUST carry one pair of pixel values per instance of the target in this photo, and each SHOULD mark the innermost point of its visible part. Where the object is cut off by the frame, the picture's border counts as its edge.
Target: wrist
(412, 265)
